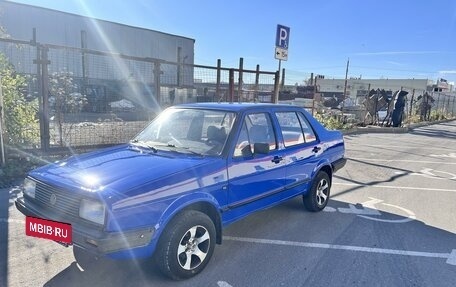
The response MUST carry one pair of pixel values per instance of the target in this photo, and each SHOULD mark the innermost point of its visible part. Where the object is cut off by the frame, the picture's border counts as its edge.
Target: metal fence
(374, 107)
(91, 98)
(416, 106)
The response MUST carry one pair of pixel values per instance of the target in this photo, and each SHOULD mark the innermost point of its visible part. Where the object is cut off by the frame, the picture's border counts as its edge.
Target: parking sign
(282, 37)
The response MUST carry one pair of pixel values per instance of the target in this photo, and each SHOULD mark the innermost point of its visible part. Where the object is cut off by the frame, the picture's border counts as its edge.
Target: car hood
(119, 168)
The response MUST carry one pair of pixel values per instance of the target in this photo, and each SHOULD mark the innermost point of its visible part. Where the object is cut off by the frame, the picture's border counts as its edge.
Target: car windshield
(194, 131)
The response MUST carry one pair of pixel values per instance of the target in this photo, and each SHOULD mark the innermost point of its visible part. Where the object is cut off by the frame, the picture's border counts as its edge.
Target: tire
(186, 245)
(318, 196)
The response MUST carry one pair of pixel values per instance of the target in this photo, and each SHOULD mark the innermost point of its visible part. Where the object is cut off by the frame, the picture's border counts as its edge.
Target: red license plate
(48, 229)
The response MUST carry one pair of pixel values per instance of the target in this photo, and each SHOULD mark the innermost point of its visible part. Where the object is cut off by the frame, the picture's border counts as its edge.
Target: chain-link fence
(91, 98)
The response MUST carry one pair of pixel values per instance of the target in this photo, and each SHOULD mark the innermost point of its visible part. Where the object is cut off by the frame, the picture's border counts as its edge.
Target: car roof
(235, 107)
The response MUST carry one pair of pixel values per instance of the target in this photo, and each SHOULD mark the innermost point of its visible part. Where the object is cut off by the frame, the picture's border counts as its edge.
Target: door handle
(277, 159)
(316, 149)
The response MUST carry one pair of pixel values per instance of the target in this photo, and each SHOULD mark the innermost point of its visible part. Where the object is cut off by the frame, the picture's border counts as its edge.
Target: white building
(357, 87)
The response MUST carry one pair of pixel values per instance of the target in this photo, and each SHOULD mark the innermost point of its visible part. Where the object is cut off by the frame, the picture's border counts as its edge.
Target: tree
(19, 113)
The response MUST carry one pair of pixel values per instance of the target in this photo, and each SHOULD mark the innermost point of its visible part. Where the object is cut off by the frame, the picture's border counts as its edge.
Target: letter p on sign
(282, 37)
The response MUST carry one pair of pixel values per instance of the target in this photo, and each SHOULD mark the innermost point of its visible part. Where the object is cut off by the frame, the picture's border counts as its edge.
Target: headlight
(29, 187)
(92, 210)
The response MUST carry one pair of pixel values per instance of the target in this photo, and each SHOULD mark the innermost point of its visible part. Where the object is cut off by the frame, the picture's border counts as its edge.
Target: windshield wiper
(144, 145)
(183, 148)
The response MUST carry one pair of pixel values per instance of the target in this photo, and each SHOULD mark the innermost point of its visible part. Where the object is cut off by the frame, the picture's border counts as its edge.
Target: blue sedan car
(169, 192)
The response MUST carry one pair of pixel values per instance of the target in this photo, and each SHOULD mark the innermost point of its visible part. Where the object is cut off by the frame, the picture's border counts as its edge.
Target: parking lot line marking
(410, 215)
(402, 160)
(368, 210)
(449, 155)
(394, 187)
(451, 257)
(223, 284)
(431, 173)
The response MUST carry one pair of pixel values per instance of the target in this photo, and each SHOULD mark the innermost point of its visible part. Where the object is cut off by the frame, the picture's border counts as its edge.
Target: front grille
(62, 201)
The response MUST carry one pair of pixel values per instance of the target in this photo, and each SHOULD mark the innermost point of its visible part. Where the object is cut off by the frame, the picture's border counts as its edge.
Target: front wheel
(186, 245)
(318, 195)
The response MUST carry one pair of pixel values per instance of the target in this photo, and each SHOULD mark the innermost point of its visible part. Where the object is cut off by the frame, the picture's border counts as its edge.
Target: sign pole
(281, 53)
(277, 87)
(280, 63)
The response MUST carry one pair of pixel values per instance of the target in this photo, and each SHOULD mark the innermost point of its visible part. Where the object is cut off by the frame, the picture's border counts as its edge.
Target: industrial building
(109, 61)
(356, 88)
(355, 85)
(70, 30)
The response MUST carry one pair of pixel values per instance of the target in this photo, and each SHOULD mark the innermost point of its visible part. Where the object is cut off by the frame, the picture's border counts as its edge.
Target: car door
(301, 150)
(256, 177)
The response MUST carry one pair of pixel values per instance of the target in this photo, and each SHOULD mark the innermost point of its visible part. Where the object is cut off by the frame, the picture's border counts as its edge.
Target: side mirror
(246, 151)
(261, 148)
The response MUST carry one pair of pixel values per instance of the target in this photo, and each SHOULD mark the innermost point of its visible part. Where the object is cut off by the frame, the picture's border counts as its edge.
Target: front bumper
(90, 238)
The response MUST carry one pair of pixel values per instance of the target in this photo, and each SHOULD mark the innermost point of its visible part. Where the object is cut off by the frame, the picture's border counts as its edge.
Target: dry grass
(95, 133)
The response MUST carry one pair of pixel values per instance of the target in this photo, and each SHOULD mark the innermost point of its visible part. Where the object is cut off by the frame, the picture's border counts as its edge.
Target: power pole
(314, 94)
(345, 88)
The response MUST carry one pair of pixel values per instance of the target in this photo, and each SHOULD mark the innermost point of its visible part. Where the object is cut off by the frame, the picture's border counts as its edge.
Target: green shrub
(437, 115)
(20, 114)
(331, 122)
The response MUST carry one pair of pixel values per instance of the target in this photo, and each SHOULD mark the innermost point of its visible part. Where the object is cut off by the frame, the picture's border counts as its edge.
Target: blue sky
(388, 38)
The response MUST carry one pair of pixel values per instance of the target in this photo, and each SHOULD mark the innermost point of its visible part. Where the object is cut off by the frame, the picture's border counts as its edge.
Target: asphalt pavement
(391, 221)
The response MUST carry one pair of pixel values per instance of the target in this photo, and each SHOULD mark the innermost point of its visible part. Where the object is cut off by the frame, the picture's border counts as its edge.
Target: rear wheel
(318, 195)
(186, 245)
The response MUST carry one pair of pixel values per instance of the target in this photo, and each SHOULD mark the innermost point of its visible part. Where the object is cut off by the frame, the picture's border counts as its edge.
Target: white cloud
(448, 72)
(395, 63)
(388, 53)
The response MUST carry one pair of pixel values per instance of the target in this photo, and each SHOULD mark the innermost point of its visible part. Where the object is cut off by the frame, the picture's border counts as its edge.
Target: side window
(309, 135)
(256, 128)
(291, 128)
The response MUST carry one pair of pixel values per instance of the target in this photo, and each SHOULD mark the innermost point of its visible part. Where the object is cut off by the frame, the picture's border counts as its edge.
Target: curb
(368, 130)
(424, 124)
